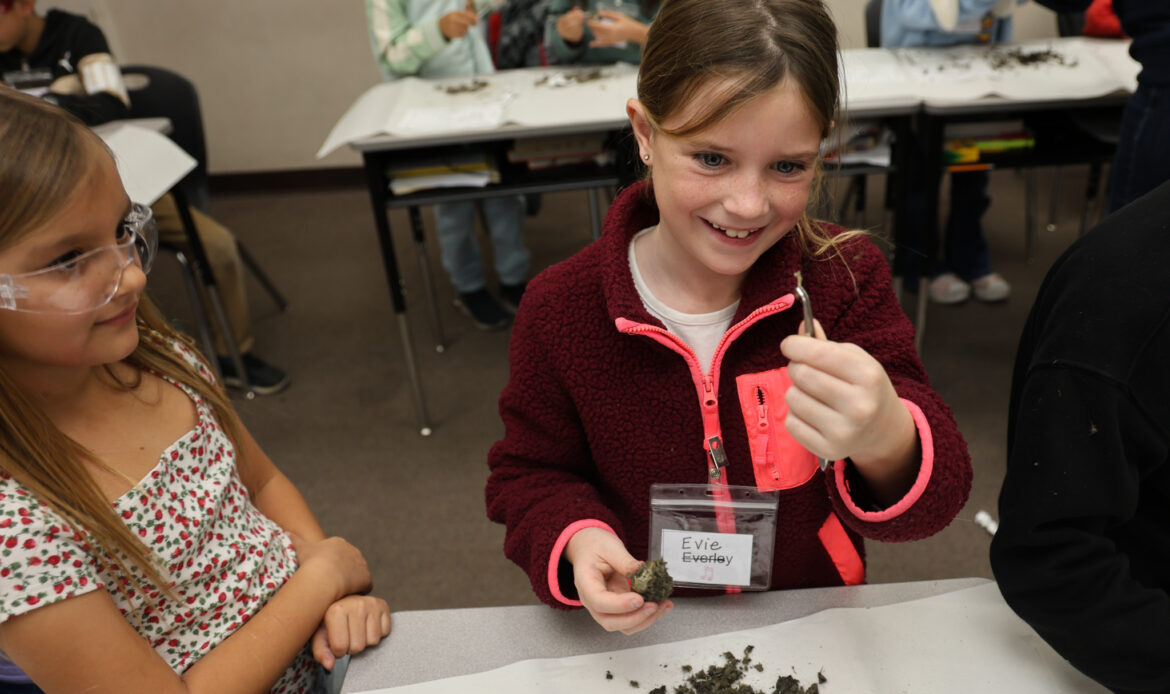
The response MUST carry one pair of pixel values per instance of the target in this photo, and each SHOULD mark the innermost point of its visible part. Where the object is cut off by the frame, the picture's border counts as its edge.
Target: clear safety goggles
(87, 281)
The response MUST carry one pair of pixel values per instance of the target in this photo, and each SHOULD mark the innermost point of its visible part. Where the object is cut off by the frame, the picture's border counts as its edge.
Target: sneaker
(947, 288)
(510, 296)
(991, 288)
(483, 309)
(264, 378)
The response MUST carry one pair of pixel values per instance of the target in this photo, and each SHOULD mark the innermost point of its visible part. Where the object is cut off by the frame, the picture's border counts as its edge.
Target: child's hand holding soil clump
(651, 581)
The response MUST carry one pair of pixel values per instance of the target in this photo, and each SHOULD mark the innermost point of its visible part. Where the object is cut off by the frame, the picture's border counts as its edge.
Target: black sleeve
(1066, 5)
(1070, 555)
(93, 109)
(77, 37)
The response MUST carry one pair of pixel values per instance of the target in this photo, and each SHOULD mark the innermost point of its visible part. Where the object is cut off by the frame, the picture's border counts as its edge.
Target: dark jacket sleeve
(1079, 456)
(874, 321)
(1066, 5)
(541, 478)
(93, 109)
(82, 38)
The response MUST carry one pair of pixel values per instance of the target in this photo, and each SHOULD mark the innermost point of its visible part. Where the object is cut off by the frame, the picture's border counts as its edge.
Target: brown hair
(750, 46)
(46, 155)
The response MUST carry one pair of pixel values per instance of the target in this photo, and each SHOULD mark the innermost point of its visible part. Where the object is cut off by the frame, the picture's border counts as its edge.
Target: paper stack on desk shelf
(539, 153)
(465, 169)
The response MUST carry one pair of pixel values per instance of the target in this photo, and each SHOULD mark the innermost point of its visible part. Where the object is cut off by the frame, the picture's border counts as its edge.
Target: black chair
(157, 92)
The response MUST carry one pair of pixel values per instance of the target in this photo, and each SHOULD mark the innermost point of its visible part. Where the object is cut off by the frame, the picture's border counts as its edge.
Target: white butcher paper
(966, 641)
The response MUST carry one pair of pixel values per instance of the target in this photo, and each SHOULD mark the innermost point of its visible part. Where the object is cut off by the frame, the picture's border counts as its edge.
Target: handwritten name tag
(713, 558)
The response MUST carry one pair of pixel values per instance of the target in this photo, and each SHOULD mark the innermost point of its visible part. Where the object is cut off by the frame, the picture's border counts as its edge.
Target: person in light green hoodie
(443, 38)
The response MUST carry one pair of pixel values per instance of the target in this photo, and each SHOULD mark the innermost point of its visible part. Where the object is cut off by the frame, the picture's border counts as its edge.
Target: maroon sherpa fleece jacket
(601, 404)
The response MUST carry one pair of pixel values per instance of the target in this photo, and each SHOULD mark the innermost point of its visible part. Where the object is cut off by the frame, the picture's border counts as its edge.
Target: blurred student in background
(87, 82)
(442, 38)
(963, 266)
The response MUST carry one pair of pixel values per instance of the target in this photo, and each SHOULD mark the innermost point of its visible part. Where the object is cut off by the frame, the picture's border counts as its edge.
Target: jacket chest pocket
(778, 460)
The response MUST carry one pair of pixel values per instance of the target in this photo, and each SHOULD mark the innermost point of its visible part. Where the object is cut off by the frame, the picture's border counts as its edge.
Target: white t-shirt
(701, 331)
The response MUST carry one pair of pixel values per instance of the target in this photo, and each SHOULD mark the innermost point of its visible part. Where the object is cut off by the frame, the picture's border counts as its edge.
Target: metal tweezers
(810, 330)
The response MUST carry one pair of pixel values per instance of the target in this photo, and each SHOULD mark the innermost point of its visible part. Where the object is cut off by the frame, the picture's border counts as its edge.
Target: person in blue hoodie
(442, 38)
(964, 267)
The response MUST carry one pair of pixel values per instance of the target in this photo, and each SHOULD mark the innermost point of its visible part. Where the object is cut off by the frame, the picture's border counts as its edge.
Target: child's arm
(843, 405)
(273, 493)
(85, 644)
(400, 47)
(863, 317)
(565, 35)
(351, 623)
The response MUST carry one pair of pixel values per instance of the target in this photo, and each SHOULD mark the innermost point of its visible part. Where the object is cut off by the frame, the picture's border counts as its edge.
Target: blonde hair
(751, 46)
(46, 155)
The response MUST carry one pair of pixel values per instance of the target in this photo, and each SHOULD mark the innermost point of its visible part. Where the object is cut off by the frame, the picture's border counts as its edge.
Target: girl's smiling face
(727, 193)
(92, 218)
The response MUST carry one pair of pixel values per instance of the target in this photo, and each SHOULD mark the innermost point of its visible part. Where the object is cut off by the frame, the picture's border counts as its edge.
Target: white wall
(275, 75)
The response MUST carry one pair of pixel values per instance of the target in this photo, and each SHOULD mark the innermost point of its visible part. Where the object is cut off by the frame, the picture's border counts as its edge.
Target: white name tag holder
(714, 536)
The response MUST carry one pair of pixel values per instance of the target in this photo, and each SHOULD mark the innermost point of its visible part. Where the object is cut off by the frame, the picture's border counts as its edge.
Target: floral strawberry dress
(226, 559)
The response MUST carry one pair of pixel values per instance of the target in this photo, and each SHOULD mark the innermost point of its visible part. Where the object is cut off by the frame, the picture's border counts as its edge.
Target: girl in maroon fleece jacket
(672, 349)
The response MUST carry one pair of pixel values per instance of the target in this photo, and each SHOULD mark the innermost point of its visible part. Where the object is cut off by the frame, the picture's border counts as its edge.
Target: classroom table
(427, 647)
(1089, 77)
(412, 117)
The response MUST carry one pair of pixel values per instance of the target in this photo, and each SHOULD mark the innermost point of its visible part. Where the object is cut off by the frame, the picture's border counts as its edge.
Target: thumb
(320, 647)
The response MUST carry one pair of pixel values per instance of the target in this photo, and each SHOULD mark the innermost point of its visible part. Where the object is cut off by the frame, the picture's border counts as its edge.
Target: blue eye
(709, 159)
(789, 167)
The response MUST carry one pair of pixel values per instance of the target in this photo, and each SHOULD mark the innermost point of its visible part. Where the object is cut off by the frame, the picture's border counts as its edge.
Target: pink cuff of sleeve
(924, 471)
(554, 558)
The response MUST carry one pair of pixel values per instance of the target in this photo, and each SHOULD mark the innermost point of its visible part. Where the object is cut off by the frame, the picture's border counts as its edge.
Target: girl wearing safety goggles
(140, 523)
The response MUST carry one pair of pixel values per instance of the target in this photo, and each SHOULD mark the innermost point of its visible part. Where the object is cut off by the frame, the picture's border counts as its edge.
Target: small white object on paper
(149, 162)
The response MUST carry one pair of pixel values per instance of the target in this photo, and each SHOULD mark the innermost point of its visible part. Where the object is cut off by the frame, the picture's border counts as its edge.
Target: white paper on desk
(964, 642)
(554, 98)
(874, 75)
(1114, 53)
(149, 162)
(964, 73)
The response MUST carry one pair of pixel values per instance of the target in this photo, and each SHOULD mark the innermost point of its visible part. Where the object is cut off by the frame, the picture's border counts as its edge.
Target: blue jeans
(964, 249)
(1142, 160)
(455, 225)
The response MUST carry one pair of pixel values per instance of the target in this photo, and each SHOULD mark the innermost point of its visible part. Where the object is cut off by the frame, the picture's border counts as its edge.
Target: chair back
(873, 23)
(13, 680)
(1070, 23)
(157, 92)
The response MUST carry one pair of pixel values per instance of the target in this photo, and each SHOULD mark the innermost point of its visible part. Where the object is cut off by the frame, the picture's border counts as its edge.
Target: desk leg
(199, 255)
(898, 217)
(933, 155)
(594, 216)
(424, 266)
(378, 185)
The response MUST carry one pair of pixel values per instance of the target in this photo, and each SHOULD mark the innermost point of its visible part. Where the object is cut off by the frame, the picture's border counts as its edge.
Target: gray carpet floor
(345, 431)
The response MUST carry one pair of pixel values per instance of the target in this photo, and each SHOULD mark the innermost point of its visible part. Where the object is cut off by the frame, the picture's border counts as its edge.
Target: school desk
(955, 636)
(1037, 83)
(432, 121)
